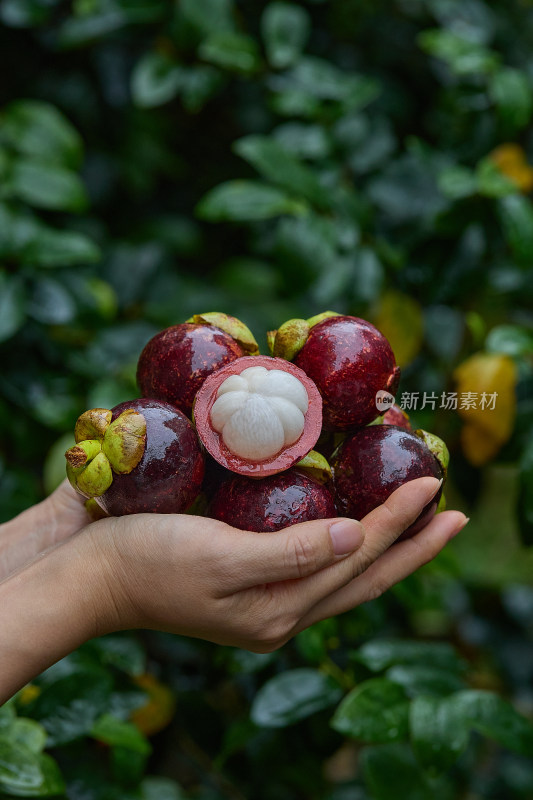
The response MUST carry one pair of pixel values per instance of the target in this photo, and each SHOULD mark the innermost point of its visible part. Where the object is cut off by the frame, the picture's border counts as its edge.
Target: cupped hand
(53, 520)
(199, 577)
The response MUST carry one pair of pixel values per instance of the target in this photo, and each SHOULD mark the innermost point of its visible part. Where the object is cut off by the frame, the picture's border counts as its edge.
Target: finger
(402, 559)
(382, 527)
(251, 559)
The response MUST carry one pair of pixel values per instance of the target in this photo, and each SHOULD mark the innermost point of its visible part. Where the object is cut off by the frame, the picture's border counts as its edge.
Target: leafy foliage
(163, 159)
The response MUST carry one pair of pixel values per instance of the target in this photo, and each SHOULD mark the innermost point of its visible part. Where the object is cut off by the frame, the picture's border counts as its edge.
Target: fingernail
(437, 489)
(459, 527)
(347, 535)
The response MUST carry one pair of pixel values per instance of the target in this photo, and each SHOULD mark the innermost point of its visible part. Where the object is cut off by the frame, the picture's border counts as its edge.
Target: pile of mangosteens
(259, 442)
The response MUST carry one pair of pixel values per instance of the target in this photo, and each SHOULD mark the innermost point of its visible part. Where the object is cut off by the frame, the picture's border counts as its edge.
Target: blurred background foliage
(271, 160)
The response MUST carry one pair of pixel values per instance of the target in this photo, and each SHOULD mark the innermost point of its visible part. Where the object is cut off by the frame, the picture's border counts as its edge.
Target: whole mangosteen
(272, 503)
(349, 360)
(141, 456)
(374, 461)
(176, 361)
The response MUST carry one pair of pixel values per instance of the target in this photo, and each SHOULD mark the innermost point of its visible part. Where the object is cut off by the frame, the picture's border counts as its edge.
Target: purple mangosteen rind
(272, 503)
(373, 462)
(230, 325)
(148, 460)
(350, 361)
(175, 362)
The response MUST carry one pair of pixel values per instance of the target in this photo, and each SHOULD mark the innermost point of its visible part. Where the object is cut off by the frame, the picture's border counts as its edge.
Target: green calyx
(316, 466)
(230, 325)
(113, 447)
(437, 447)
(290, 337)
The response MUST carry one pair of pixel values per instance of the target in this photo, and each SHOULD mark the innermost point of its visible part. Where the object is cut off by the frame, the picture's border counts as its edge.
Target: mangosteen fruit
(272, 503)
(258, 415)
(141, 456)
(349, 360)
(374, 461)
(176, 361)
(397, 416)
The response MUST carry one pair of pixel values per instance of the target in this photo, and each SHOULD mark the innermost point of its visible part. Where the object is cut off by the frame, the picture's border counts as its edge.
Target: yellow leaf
(400, 320)
(157, 713)
(511, 160)
(487, 403)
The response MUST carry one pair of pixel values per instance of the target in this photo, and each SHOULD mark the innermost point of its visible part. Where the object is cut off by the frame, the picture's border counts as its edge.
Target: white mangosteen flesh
(259, 412)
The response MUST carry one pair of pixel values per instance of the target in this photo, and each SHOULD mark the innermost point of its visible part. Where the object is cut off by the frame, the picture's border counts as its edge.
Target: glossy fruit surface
(258, 415)
(350, 361)
(176, 361)
(271, 503)
(169, 475)
(373, 462)
(397, 416)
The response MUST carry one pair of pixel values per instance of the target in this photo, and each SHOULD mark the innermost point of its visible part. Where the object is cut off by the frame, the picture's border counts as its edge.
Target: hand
(202, 578)
(39, 527)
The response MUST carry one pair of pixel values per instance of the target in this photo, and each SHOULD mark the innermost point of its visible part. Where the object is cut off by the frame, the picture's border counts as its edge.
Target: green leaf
(208, 16)
(285, 29)
(156, 79)
(103, 18)
(457, 182)
(155, 788)
(47, 186)
(462, 56)
(28, 733)
(276, 165)
(421, 679)
(491, 182)
(511, 92)
(379, 654)
(512, 340)
(292, 696)
(125, 653)
(516, 217)
(525, 495)
(12, 305)
(245, 201)
(117, 733)
(390, 770)
(25, 13)
(438, 733)
(50, 248)
(40, 131)
(375, 711)
(51, 303)
(235, 52)
(303, 140)
(26, 773)
(69, 707)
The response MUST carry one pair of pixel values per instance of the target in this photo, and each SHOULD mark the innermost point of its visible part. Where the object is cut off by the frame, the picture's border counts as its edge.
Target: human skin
(202, 578)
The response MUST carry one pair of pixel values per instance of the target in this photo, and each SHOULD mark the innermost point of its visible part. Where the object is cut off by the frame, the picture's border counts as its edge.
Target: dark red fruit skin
(272, 503)
(176, 362)
(283, 460)
(397, 416)
(373, 462)
(169, 475)
(349, 360)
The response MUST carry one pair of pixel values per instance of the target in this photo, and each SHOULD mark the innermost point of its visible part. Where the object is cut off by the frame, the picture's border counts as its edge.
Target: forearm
(47, 609)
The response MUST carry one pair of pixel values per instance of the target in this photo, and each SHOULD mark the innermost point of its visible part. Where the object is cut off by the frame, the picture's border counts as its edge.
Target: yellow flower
(511, 160)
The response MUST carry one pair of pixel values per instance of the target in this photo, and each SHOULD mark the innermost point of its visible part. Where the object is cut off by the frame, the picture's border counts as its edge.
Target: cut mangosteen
(349, 360)
(271, 503)
(374, 461)
(142, 456)
(176, 361)
(258, 415)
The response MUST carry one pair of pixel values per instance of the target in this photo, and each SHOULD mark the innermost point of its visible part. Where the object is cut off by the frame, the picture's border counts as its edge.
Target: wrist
(49, 608)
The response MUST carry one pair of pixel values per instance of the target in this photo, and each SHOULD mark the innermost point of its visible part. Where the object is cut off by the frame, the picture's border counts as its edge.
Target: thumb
(294, 552)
